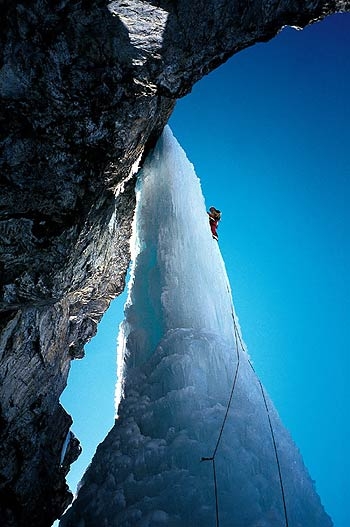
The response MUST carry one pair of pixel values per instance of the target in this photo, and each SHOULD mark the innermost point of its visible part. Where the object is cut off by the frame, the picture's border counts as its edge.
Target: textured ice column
(180, 353)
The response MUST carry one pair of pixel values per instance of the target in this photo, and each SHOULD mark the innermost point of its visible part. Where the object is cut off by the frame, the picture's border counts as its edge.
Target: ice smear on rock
(179, 351)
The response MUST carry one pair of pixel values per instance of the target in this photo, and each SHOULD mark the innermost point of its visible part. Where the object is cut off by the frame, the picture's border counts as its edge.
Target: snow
(180, 350)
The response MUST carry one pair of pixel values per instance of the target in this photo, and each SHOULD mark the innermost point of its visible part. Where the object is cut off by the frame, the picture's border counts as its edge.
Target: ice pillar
(181, 353)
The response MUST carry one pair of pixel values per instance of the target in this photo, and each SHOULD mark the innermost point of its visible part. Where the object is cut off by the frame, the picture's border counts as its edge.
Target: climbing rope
(238, 339)
(231, 395)
(275, 449)
(212, 458)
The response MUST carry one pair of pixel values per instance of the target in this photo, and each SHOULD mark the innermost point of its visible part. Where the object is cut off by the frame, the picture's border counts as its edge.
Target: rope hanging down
(212, 458)
(275, 449)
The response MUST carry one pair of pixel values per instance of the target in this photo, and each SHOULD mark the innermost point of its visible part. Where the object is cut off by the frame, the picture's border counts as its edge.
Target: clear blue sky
(269, 136)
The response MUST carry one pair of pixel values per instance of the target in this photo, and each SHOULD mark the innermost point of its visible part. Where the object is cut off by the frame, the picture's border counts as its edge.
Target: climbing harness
(239, 343)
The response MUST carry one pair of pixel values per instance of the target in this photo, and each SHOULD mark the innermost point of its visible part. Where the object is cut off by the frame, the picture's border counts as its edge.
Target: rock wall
(86, 88)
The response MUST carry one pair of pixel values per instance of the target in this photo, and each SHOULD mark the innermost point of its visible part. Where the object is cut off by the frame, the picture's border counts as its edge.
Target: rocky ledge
(86, 87)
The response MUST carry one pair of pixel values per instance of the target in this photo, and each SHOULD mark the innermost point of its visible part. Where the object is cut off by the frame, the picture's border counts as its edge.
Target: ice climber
(214, 218)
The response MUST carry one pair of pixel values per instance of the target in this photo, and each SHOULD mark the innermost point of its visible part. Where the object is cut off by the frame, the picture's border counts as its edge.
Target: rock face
(86, 88)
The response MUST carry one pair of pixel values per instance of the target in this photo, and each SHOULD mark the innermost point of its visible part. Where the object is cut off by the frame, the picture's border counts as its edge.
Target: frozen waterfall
(180, 355)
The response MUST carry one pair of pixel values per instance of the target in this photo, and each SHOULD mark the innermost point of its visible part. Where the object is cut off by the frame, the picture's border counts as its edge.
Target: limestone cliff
(86, 88)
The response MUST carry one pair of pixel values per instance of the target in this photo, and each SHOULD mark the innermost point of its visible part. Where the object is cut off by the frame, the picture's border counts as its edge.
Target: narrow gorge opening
(89, 395)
